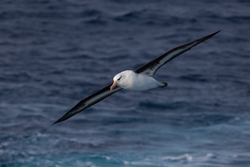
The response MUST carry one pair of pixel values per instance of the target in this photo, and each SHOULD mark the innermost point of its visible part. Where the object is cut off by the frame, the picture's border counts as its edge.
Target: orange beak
(113, 85)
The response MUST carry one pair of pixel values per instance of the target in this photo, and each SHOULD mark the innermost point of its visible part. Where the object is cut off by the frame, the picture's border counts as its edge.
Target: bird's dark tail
(163, 84)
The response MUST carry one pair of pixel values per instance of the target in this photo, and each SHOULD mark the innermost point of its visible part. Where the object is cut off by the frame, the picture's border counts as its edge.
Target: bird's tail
(162, 84)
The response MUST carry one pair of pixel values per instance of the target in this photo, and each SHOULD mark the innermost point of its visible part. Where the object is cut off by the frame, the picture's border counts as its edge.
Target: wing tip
(63, 118)
(216, 32)
(209, 36)
(205, 38)
(67, 115)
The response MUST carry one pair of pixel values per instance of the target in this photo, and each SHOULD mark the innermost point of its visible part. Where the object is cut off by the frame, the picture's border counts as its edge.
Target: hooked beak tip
(113, 85)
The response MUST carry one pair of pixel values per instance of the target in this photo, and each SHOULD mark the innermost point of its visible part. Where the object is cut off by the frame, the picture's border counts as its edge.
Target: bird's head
(117, 79)
(120, 79)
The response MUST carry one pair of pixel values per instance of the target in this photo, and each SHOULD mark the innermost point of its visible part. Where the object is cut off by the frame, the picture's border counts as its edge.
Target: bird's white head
(120, 79)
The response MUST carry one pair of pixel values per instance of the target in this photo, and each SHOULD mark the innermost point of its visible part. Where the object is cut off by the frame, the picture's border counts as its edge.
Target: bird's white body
(133, 81)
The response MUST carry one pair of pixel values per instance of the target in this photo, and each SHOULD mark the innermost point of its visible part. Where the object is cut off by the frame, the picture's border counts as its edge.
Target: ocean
(54, 53)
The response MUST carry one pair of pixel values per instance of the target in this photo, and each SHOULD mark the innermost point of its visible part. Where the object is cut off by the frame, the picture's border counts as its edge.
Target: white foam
(185, 157)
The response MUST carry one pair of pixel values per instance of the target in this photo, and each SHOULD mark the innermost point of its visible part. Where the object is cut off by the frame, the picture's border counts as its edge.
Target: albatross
(137, 80)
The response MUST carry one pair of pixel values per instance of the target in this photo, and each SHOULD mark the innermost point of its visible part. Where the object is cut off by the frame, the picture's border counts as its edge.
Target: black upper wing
(151, 67)
(89, 101)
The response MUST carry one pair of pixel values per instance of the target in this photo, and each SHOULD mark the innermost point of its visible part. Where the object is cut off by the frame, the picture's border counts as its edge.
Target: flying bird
(138, 80)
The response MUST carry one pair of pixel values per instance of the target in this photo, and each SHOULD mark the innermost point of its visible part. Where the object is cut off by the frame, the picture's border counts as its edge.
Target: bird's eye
(119, 78)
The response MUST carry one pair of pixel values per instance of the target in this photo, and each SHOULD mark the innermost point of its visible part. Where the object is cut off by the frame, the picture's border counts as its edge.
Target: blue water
(55, 53)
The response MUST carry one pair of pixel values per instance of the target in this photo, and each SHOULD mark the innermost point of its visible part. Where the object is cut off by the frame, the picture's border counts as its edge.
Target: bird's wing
(151, 67)
(89, 101)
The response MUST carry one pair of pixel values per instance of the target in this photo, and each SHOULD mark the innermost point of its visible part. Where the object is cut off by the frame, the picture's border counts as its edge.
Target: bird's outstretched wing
(89, 101)
(151, 67)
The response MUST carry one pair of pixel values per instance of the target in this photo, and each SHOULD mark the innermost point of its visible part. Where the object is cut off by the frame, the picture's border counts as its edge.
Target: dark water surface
(55, 53)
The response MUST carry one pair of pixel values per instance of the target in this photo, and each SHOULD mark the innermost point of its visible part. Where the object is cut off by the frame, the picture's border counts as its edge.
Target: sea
(54, 53)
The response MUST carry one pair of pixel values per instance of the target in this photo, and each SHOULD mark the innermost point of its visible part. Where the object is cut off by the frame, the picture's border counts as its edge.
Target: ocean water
(55, 53)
